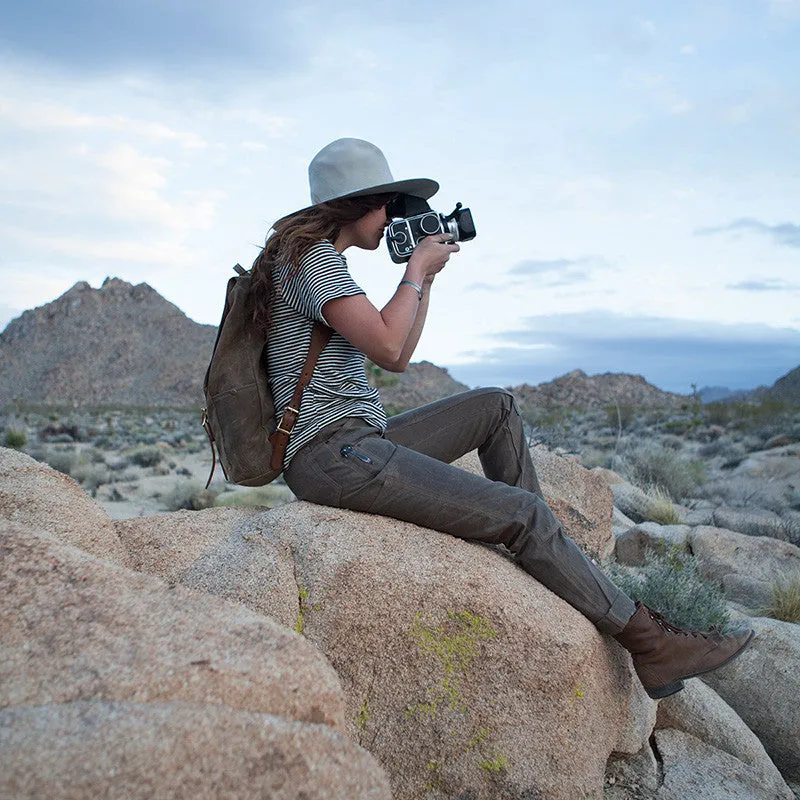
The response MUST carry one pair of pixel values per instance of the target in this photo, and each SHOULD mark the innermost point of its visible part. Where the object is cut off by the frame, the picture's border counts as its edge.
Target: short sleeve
(322, 276)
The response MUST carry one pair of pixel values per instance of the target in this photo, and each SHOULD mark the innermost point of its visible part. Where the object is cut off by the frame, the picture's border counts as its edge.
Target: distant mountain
(578, 390)
(787, 388)
(124, 345)
(118, 345)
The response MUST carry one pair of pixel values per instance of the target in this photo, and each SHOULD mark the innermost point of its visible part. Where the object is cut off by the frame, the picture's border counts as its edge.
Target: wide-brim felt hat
(354, 168)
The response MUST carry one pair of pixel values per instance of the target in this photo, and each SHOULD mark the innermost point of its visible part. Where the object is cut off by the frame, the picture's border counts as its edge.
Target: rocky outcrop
(578, 390)
(454, 674)
(633, 543)
(753, 522)
(35, 495)
(723, 553)
(694, 770)
(179, 750)
(762, 686)
(107, 675)
(702, 713)
(119, 344)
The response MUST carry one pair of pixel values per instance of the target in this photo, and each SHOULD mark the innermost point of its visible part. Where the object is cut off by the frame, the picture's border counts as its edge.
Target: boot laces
(669, 628)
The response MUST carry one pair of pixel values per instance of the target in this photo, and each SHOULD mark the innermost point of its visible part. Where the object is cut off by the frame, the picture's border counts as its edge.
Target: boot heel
(666, 690)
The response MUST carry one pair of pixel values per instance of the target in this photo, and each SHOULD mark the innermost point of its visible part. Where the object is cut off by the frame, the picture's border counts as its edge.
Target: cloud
(188, 36)
(534, 267)
(785, 233)
(555, 272)
(670, 353)
(766, 285)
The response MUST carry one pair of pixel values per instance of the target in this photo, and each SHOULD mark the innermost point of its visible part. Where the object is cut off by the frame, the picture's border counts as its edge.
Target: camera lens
(399, 237)
(429, 224)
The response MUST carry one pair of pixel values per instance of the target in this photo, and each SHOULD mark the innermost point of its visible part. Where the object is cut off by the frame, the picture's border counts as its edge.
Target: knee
(496, 396)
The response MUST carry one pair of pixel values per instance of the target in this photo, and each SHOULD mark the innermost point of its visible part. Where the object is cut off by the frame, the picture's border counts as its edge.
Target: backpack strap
(320, 336)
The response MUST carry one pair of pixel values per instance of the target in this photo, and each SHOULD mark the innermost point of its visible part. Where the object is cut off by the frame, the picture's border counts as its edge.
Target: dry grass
(785, 600)
(661, 509)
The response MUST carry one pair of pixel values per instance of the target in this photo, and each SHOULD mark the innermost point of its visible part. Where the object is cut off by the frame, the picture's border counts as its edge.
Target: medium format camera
(418, 220)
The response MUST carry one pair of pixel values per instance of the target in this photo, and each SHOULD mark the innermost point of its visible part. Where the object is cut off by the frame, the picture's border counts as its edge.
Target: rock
(791, 524)
(36, 495)
(694, 770)
(455, 675)
(79, 628)
(695, 516)
(748, 592)
(608, 475)
(178, 750)
(633, 544)
(722, 552)
(579, 498)
(632, 501)
(781, 440)
(619, 522)
(762, 686)
(632, 776)
(698, 710)
(751, 521)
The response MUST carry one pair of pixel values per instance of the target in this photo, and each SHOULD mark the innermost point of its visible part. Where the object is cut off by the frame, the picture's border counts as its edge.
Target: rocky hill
(117, 345)
(576, 389)
(124, 345)
(787, 388)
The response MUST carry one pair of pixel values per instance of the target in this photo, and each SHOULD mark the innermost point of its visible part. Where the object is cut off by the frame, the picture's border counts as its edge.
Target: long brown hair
(290, 238)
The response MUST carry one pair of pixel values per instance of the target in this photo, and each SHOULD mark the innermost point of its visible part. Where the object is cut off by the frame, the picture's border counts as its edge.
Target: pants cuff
(617, 617)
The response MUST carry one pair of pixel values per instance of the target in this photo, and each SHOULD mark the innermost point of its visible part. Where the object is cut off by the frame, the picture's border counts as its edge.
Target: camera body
(418, 220)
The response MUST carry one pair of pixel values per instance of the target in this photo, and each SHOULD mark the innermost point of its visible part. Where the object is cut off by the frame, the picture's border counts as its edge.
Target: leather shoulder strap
(320, 336)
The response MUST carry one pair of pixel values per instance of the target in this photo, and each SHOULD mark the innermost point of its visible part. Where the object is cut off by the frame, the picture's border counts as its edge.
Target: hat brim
(417, 187)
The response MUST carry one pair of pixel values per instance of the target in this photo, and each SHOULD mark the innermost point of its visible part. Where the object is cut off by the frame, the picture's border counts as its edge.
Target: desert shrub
(671, 584)
(649, 464)
(785, 603)
(620, 416)
(63, 460)
(15, 439)
(269, 496)
(90, 476)
(720, 448)
(146, 457)
(190, 495)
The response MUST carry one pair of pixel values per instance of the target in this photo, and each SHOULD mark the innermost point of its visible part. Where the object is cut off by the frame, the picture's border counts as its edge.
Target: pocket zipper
(348, 450)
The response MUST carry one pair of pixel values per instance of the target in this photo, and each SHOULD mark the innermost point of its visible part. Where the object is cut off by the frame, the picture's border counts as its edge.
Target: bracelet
(415, 285)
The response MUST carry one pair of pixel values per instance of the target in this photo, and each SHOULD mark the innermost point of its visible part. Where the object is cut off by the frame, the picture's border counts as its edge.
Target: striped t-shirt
(339, 385)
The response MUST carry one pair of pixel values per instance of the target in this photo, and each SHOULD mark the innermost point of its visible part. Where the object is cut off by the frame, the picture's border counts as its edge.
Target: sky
(633, 167)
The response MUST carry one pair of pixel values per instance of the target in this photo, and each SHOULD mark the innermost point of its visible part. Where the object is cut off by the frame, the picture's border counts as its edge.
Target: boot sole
(660, 692)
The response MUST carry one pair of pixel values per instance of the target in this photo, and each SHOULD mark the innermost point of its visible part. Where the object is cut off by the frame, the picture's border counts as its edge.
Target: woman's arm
(388, 337)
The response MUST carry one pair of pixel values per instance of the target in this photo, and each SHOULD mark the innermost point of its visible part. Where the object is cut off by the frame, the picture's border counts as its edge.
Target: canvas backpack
(239, 416)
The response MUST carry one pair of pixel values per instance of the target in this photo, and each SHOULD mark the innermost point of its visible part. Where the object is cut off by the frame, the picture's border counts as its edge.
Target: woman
(342, 452)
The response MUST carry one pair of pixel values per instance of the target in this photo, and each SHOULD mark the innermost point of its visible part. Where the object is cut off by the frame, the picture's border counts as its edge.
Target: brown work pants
(405, 473)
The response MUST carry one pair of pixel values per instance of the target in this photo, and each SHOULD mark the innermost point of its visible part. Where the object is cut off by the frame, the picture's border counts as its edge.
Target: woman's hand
(429, 257)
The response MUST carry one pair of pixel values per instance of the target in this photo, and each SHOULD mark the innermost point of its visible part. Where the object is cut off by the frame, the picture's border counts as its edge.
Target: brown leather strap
(320, 336)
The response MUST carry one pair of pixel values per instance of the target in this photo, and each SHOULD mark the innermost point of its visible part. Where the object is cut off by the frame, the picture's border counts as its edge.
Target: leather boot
(664, 655)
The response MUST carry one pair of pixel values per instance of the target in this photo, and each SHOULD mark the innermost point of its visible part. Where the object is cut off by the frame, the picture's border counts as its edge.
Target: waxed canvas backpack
(239, 416)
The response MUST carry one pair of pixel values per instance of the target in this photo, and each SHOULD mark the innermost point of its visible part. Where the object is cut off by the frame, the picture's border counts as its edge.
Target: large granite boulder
(695, 770)
(762, 686)
(34, 494)
(699, 711)
(75, 627)
(633, 543)
(722, 552)
(463, 675)
(141, 751)
(751, 521)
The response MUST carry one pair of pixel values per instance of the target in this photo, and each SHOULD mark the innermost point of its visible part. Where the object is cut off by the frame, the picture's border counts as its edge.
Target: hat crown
(347, 166)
